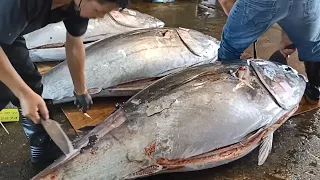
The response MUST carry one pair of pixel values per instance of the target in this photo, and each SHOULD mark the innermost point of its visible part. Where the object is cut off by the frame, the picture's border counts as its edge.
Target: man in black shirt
(20, 81)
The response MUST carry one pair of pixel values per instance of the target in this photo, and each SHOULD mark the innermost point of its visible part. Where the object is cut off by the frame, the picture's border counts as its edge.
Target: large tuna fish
(45, 44)
(135, 55)
(195, 119)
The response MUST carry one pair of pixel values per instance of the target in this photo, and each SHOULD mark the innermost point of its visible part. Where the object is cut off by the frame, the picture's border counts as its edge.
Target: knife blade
(57, 134)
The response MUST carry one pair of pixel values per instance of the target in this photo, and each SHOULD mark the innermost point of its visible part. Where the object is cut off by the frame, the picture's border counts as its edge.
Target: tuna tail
(265, 149)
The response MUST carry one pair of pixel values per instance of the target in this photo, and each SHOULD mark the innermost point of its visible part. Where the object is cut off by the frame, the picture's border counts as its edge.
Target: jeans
(42, 148)
(299, 19)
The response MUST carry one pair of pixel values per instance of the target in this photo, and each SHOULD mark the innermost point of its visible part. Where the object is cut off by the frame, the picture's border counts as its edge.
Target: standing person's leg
(40, 142)
(312, 92)
(302, 26)
(285, 40)
(248, 19)
(226, 5)
(286, 48)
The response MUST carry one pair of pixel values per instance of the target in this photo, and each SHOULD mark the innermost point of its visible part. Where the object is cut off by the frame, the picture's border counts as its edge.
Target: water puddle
(187, 14)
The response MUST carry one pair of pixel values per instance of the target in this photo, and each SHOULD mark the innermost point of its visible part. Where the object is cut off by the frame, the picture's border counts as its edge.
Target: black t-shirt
(20, 17)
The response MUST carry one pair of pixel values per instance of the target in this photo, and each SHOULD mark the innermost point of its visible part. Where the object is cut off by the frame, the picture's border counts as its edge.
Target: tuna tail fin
(265, 148)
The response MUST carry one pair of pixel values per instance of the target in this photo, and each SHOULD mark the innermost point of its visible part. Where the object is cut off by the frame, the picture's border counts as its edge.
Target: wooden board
(46, 66)
(98, 112)
(101, 108)
(305, 107)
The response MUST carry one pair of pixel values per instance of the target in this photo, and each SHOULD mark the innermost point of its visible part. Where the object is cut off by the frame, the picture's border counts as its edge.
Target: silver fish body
(198, 118)
(46, 44)
(135, 55)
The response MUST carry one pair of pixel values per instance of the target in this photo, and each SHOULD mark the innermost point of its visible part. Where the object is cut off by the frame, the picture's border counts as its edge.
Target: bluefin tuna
(135, 55)
(197, 118)
(46, 44)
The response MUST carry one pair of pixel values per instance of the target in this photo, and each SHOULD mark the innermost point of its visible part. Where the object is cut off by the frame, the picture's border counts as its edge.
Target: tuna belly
(224, 155)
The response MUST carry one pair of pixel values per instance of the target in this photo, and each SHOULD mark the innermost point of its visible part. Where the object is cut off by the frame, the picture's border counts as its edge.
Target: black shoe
(311, 95)
(311, 101)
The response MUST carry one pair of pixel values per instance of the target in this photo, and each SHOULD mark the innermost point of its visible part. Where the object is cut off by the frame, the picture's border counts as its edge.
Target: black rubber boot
(312, 92)
(43, 150)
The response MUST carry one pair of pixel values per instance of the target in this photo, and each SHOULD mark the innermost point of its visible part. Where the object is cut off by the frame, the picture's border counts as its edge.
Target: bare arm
(75, 53)
(31, 103)
(227, 5)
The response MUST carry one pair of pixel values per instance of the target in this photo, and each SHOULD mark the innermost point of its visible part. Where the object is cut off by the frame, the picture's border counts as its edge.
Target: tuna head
(136, 19)
(200, 44)
(281, 81)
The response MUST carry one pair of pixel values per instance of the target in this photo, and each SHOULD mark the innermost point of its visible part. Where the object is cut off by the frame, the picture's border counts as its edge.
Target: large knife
(56, 133)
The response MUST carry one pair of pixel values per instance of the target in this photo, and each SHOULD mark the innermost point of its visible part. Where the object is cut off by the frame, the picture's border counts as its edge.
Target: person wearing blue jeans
(286, 47)
(299, 19)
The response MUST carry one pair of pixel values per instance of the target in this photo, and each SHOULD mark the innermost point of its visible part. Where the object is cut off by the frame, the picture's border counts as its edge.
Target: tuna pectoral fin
(192, 44)
(265, 148)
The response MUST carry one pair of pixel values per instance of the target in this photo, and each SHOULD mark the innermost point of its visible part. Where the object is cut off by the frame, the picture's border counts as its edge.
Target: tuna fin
(253, 134)
(265, 149)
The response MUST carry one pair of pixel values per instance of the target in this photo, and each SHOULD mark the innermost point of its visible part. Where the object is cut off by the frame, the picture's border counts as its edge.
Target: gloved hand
(83, 101)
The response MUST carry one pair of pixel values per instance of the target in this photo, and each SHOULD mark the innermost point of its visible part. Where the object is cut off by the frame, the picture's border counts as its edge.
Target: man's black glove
(83, 101)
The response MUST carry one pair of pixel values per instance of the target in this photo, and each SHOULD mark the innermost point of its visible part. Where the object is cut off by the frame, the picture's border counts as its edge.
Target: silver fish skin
(197, 118)
(136, 55)
(47, 42)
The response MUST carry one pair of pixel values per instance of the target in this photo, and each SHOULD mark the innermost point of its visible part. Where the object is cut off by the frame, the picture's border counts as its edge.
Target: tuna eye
(287, 69)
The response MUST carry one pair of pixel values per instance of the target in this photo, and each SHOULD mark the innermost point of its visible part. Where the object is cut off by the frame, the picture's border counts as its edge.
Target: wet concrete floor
(296, 147)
